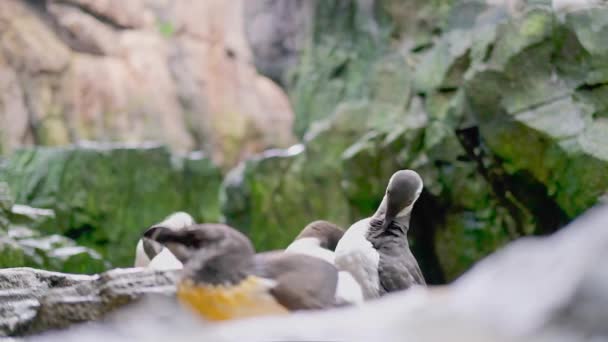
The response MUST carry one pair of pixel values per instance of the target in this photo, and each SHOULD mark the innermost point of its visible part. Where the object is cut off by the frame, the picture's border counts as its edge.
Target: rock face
(104, 196)
(517, 294)
(500, 106)
(35, 301)
(6, 202)
(178, 72)
(278, 32)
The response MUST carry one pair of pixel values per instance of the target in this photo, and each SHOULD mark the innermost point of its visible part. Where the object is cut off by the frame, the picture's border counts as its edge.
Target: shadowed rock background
(500, 106)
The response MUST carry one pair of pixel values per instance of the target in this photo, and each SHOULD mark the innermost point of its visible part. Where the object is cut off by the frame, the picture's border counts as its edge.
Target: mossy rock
(544, 111)
(105, 196)
(23, 247)
(6, 202)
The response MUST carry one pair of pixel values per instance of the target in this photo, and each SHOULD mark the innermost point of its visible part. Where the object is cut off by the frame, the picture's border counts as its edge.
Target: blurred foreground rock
(34, 300)
(105, 195)
(536, 289)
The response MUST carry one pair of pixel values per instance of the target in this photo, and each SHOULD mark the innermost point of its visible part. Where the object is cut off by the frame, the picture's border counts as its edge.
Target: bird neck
(216, 268)
(402, 219)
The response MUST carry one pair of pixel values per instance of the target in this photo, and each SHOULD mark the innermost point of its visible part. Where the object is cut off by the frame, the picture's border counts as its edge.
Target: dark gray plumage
(398, 268)
(151, 247)
(375, 250)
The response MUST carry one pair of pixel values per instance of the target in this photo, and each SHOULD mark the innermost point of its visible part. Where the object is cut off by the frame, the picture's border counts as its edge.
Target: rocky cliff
(499, 105)
(178, 72)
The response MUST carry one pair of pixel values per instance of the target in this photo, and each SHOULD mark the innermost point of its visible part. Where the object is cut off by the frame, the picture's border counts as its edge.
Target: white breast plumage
(310, 246)
(355, 254)
(348, 291)
(141, 259)
(165, 260)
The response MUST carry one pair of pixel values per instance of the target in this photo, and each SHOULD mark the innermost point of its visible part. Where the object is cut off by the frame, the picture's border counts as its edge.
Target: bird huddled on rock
(319, 239)
(224, 279)
(152, 254)
(375, 250)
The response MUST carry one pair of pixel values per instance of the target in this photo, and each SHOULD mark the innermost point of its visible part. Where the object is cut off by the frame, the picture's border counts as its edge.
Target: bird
(224, 279)
(319, 239)
(375, 250)
(151, 254)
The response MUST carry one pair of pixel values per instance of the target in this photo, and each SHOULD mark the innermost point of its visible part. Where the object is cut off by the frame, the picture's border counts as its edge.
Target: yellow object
(217, 303)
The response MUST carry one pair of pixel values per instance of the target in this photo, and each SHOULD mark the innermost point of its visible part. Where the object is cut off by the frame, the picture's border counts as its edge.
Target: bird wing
(399, 273)
(302, 282)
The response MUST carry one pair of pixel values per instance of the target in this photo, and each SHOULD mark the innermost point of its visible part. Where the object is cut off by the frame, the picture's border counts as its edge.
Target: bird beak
(151, 247)
(152, 233)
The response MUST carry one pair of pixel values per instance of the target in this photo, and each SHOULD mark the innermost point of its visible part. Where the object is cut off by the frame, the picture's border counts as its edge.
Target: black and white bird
(224, 279)
(319, 239)
(151, 254)
(375, 250)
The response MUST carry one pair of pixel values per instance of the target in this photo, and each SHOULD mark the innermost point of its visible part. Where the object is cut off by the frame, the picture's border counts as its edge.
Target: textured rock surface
(499, 105)
(277, 32)
(35, 301)
(104, 196)
(178, 72)
(517, 294)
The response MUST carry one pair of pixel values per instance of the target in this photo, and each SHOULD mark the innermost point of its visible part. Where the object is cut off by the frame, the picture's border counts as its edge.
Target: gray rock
(277, 32)
(34, 300)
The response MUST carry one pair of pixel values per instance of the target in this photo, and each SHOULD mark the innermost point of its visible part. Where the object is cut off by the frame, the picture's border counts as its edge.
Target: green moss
(469, 236)
(335, 64)
(23, 247)
(104, 197)
(166, 28)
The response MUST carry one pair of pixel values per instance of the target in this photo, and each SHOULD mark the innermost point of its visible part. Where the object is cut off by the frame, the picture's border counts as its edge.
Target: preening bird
(375, 250)
(149, 253)
(224, 279)
(319, 239)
